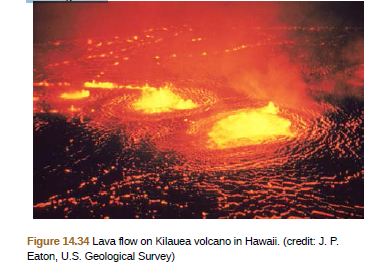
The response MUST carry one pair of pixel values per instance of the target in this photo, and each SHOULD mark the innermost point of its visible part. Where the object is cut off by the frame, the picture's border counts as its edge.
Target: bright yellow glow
(73, 109)
(77, 95)
(249, 127)
(100, 85)
(156, 100)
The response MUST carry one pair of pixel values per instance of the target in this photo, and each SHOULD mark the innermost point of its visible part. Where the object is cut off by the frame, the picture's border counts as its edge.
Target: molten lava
(77, 95)
(100, 85)
(249, 127)
(157, 100)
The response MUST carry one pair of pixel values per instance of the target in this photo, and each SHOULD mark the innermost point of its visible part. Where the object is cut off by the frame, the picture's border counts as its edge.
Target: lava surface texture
(200, 120)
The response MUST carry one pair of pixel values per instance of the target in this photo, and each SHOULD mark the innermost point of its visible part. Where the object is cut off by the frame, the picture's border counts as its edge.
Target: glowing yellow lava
(100, 85)
(254, 126)
(77, 95)
(156, 100)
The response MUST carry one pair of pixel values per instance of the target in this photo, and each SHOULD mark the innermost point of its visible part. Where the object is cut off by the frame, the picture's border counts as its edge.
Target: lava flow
(75, 95)
(249, 127)
(235, 122)
(161, 100)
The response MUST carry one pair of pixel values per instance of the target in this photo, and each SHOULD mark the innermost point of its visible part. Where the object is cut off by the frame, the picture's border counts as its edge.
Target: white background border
(356, 237)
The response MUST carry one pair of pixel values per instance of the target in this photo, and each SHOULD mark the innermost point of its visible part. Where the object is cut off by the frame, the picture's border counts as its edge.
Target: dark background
(57, 21)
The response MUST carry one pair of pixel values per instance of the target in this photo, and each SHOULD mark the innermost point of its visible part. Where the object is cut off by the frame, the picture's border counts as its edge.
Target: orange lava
(255, 126)
(77, 95)
(157, 100)
(100, 85)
